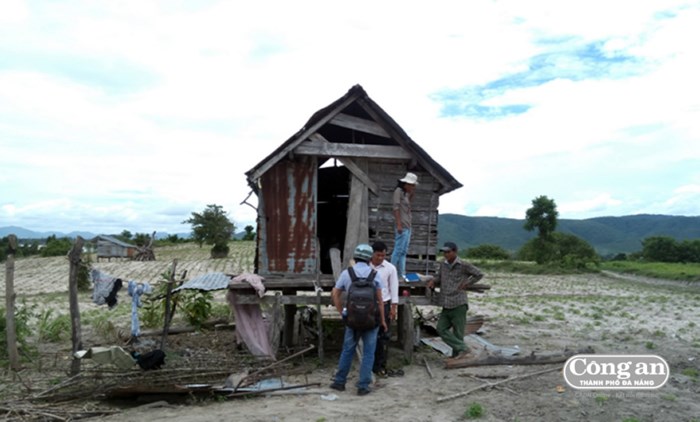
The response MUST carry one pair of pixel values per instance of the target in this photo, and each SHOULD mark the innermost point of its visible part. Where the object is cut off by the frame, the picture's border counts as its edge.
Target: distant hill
(608, 235)
(23, 233)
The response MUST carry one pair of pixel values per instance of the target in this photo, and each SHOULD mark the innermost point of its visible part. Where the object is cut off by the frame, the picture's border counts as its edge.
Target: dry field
(536, 313)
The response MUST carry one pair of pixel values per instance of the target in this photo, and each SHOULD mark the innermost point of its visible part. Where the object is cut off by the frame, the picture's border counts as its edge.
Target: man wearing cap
(453, 277)
(362, 256)
(403, 196)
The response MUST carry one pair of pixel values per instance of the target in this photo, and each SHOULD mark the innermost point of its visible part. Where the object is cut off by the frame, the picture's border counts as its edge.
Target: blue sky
(133, 114)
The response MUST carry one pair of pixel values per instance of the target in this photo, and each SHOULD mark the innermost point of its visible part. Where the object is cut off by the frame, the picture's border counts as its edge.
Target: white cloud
(131, 115)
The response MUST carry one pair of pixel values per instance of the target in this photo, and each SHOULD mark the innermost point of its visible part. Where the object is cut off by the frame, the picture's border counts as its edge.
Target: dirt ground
(534, 313)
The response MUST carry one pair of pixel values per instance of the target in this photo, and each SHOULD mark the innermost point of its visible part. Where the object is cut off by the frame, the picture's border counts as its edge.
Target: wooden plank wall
(423, 248)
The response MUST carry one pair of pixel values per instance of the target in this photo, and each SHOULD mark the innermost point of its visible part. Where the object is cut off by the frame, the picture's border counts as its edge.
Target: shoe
(363, 391)
(465, 355)
(396, 373)
(339, 387)
(381, 373)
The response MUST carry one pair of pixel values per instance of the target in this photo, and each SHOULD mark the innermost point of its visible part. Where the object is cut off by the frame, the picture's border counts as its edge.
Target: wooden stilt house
(330, 186)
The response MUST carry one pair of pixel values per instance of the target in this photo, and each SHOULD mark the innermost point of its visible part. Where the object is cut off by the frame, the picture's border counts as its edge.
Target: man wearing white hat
(403, 196)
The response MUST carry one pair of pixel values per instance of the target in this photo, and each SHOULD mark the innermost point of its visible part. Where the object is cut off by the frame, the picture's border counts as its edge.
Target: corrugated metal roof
(115, 241)
(208, 281)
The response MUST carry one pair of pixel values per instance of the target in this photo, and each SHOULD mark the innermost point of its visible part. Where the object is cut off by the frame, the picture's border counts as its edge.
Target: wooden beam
(351, 166)
(313, 300)
(278, 155)
(358, 124)
(336, 149)
(531, 359)
(360, 175)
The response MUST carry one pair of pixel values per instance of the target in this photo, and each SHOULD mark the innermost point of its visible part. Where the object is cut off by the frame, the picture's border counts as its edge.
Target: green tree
(660, 249)
(142, 239)
(542, 216)
(213, 227)
(249, 233)
(563, 249)
(56, 247)
(690, 250)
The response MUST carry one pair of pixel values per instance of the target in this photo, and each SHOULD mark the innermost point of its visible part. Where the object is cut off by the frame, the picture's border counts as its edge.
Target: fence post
(12, 353)
(74, 261)
(168, 295)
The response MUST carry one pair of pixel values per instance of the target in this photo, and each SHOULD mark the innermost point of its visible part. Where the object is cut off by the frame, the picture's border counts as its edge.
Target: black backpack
(362, 306)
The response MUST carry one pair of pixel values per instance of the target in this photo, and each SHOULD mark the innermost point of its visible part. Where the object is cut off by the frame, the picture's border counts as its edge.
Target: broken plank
(533, 358)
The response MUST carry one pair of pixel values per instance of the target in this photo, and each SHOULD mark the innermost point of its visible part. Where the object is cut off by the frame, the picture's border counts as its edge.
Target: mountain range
(608, 235)
(26, 234)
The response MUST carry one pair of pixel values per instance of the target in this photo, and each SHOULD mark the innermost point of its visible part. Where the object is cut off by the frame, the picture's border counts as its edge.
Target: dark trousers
(383, 338)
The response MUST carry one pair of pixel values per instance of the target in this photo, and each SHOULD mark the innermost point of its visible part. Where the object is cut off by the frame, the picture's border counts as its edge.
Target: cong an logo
(616, 372)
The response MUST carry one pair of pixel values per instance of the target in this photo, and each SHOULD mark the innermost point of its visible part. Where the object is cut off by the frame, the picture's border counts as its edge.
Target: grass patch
(526, 267)
(665, 270)
(475, 410)
(691, 373)
(601, 400)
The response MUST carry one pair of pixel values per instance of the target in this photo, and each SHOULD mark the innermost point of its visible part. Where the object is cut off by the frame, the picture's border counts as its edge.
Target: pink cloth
(250, 325)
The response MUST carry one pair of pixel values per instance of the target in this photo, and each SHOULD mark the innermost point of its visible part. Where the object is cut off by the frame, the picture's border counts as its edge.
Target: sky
(131, 115)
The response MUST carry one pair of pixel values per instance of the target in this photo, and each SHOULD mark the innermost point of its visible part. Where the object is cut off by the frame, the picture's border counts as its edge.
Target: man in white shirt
(390, 297)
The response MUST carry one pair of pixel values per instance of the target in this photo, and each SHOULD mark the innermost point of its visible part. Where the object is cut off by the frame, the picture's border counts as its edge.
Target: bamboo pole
(493, 384)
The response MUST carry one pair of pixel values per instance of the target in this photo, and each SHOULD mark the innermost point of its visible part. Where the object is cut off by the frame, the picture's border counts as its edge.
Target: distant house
(110, 247)
(330, 186)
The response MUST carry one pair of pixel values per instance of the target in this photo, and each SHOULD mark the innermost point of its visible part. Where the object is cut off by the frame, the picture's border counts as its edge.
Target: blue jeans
(352, 337)
(398, 257)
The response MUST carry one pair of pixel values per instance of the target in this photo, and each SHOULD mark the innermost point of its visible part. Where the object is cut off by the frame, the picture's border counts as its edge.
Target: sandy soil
(534, 313)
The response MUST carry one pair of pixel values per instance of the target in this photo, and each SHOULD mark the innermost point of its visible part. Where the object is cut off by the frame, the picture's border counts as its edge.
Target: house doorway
(332, 209)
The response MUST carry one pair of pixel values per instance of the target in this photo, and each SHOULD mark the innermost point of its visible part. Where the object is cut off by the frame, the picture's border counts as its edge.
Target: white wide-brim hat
(410, 178)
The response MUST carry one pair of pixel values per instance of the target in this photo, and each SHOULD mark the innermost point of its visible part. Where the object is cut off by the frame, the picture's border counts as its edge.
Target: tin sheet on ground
(471, 340)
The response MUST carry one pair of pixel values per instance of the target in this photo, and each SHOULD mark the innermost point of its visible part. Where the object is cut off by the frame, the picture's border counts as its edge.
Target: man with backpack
(363, 315)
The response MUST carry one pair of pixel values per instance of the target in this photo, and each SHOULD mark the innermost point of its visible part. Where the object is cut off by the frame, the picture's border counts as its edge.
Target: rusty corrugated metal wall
(288, 242)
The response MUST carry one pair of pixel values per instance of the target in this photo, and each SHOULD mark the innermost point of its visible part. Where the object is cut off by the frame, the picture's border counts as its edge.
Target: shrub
(23, 314)
(488, 252)
(53, 329)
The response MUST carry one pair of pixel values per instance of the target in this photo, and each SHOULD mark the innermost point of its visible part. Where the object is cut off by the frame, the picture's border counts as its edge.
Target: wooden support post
(274, 334)
(408, 328)
(12, 353)
(319, 325)
(167, 316)
(76, 336)
(289, 313)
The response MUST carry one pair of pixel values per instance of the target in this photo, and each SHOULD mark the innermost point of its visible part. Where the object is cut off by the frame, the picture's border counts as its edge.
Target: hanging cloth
(105, 288)
(135, 291)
